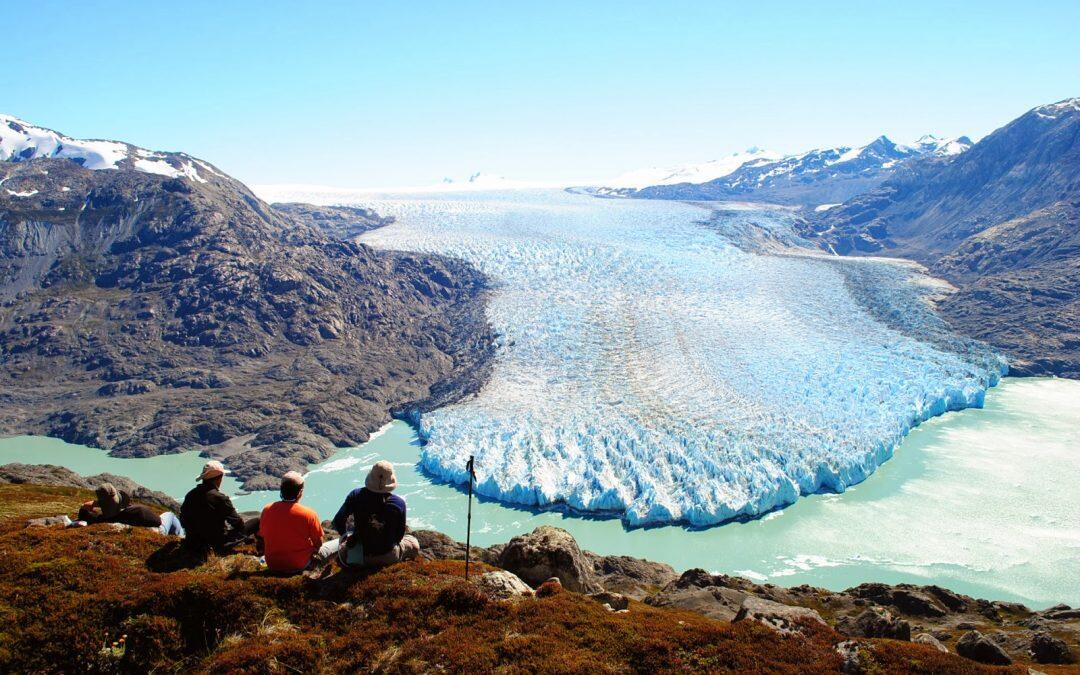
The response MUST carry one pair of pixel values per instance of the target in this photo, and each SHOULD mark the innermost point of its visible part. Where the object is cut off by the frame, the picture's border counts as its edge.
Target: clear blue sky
(396, 93)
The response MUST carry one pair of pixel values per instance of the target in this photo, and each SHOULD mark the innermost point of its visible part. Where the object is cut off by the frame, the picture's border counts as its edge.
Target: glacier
(671, 363)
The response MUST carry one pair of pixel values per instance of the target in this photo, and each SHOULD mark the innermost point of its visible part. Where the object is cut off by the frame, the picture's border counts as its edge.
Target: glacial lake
(983, 501)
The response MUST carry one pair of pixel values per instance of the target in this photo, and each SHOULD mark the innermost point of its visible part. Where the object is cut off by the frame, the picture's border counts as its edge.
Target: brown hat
(213, 469)
(381, 478)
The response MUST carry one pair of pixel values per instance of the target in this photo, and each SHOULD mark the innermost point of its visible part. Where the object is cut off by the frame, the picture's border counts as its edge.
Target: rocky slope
(156, 311)
(90, 599)
(819, 177)
(1000, 222)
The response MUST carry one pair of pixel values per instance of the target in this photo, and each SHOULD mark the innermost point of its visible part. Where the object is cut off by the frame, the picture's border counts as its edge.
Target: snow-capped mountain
(21, 141)
(822, 176)
(691, 173)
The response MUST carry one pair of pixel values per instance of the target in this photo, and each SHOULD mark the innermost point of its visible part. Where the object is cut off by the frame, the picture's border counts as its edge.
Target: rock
(1046, 648)
(850, 653)
(51, 521)
(931, 641)
(116, 527)
(783, 618)
(715, 602)
(632, 577)
(1062, 614)
(437, 546)
(503, 585)
(549, 552)
(907, 600)
(875, 622)
(52, 475)
(614, 601)
(977, 647)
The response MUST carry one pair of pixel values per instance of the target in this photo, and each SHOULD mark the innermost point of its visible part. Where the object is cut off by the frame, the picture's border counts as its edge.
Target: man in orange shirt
(291, 534)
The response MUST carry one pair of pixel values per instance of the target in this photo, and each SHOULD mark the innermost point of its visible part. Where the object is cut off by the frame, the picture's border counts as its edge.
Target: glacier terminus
(667, 362)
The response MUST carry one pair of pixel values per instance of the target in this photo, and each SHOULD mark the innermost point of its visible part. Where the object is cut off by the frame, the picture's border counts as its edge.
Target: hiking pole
(468, 527)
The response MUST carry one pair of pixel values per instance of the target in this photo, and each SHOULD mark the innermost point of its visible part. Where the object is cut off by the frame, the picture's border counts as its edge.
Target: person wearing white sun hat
(378, 537)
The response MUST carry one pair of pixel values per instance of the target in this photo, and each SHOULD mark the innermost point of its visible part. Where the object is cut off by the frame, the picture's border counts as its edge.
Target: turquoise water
(983, 501)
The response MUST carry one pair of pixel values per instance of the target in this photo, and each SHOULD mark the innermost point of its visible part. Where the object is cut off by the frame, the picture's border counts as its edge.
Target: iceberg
(669, 363)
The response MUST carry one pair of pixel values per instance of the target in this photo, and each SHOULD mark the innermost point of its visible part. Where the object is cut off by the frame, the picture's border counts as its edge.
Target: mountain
(817, 177)
(627, 183)
(1000, 221)
(152, 304)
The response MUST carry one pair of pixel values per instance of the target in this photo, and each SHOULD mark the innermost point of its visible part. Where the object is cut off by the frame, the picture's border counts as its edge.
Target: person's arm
(316, 534)
(224, 506)
(341, 520)
(397, 527)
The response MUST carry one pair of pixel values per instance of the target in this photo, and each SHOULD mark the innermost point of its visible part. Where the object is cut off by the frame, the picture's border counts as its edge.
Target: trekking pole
(468, 527)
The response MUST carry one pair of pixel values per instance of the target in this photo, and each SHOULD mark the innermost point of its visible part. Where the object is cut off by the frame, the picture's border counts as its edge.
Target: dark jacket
(210, 520)
(135, 515)
(378, 519)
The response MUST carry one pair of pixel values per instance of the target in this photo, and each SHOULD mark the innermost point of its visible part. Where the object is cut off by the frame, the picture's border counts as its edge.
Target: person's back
(291, 534)
(378, 520)
(208, 514)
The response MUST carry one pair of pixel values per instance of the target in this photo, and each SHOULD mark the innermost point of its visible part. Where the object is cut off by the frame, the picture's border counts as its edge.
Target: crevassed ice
(673, 370)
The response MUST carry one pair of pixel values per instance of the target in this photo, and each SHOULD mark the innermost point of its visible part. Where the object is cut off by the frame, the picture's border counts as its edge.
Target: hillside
(87, 600)
(1000, 222)
(151, 304)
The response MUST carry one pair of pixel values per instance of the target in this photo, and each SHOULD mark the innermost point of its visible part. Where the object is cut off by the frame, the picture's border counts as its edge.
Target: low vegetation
(84, 600)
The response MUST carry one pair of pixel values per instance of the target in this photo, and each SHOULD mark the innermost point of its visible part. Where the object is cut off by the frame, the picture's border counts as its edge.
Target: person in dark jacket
(114, 506)
(378, 536)
(210, 520)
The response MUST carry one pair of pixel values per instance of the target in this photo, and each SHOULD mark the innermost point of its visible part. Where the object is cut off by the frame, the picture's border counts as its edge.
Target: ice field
(667, 363)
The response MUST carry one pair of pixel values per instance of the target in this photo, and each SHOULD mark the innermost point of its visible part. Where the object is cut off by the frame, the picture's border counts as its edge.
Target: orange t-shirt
(291, 534)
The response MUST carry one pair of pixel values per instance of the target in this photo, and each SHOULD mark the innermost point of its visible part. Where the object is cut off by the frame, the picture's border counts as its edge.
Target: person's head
(381, 478)
(108, 499)
(212, 473)
(292, 486)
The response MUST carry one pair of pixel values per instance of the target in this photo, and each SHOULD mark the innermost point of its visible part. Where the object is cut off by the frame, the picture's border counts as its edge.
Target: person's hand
(88, 505)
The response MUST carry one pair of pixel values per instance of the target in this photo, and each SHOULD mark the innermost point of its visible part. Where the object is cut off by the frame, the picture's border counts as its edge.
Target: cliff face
(147, 313)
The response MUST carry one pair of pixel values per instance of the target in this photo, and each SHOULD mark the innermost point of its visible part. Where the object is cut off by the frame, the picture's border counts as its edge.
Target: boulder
(977, 647)
(930, 641)
(549, 552)
(614, 601)
(783, 618)
(633, 577)
(851, 657)
(503, 585)
(1046, 648)
(875, 622)
(715, 602)
(437, 546)
(908, 600)
(50, 521)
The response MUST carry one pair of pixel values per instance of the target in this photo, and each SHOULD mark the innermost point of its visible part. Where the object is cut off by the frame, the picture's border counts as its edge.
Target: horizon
(372, 97)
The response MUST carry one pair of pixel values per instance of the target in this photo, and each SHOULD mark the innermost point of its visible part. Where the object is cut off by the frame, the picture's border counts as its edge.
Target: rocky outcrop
(148, 314)
(977, 647)
(784, 618)
(930, 641)
(1046, 648)
(58, 476)
(549, 552)
(875, 622)
(343, 222)
(633, 577)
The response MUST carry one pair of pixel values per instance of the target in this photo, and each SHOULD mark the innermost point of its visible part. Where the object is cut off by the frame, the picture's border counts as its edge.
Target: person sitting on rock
(114, 506)
(210, 520)
(378, 538)
(290, 534)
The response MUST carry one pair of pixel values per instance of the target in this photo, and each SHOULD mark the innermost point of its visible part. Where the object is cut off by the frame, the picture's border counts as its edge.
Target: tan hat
(213, 469)
(381, 478)
(108, 499)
